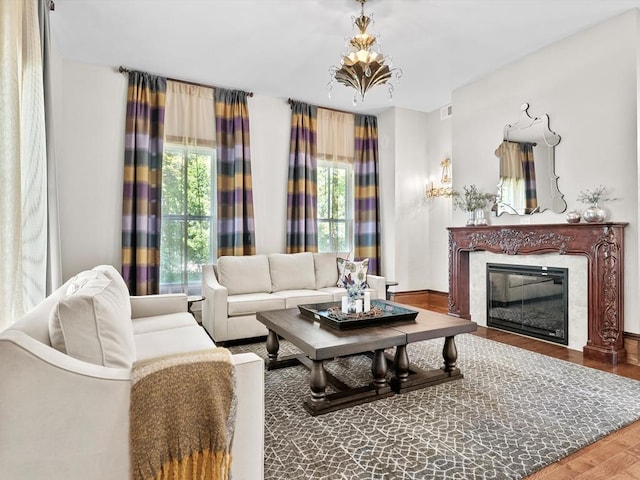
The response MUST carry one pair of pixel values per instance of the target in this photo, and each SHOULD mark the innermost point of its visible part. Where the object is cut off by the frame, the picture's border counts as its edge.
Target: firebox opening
(530, 300)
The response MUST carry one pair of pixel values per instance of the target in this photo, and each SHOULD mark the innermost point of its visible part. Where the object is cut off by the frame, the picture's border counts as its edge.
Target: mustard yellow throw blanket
(182, 416)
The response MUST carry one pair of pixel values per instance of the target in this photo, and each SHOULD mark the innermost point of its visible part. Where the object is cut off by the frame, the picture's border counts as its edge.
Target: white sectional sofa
(65, 415)
(236, 288)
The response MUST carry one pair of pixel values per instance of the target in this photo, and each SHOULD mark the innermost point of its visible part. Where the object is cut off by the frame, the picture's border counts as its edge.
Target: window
(188, 217)
(188, 224)
(335, 207)
(335, 198)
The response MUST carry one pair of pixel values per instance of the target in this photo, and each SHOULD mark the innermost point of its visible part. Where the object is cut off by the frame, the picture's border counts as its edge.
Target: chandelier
(364, 66)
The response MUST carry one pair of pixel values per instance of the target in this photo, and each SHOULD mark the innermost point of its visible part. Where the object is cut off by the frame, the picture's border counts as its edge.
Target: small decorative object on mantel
(574, 216)
(593, 214)
(474, 203)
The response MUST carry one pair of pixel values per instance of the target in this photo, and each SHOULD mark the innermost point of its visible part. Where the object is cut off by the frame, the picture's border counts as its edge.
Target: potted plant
(592, 197)
(473, 202)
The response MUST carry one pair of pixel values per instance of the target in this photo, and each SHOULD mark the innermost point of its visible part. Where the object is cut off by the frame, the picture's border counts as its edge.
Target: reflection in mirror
(528, 183)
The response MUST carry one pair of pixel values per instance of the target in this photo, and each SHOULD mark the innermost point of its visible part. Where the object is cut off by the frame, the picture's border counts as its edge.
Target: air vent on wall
(446, 112)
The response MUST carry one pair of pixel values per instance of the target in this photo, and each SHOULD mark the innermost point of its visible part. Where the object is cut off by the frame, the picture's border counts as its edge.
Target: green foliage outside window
(188, 217)
(335, 198)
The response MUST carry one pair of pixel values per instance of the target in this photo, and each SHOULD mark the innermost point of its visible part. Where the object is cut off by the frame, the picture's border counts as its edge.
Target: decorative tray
(382, 312)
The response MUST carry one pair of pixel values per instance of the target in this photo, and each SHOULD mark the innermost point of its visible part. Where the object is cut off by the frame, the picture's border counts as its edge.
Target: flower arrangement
(592, 197)
(472, 200)
(354, 290)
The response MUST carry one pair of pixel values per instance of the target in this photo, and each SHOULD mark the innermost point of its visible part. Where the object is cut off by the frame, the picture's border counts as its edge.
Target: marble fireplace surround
(603, 246)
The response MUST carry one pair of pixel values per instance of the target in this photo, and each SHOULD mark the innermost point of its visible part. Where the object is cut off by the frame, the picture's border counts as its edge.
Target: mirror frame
(517, 132)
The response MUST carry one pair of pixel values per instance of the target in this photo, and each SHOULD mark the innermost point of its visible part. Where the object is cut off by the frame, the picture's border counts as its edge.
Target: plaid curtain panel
(302, 221)
(236, 230)
(142, 183)
(367, 198)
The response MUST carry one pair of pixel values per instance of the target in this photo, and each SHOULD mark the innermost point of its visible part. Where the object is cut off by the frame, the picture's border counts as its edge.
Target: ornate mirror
(528, 182)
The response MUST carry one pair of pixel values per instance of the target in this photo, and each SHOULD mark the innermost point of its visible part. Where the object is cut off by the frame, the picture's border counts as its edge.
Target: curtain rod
(122, 69)
(291, 100)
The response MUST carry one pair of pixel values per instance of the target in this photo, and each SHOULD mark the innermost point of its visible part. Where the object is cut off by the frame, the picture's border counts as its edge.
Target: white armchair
(62, 418)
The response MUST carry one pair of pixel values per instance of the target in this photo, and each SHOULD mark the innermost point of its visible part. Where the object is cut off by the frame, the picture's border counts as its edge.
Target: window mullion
(185, 210)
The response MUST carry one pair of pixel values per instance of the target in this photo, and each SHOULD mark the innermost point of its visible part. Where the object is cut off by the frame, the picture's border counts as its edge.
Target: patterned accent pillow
(350, 272)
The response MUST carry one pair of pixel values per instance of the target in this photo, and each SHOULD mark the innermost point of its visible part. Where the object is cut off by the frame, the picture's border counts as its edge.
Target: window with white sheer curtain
(335, 137)
(23, 161)
(188, 235)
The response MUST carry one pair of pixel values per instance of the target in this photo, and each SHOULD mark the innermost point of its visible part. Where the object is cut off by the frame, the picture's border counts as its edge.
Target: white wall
(404, 171)
(588, 85)
(89, 151)
(387, 180)
(438, 209)
(270, 126)
(90, 146)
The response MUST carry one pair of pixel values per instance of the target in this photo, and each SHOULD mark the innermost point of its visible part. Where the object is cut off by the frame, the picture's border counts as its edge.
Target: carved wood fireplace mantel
(601, 243)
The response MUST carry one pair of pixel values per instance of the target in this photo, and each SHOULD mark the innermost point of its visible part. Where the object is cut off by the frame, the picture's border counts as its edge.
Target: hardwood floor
(615, 457)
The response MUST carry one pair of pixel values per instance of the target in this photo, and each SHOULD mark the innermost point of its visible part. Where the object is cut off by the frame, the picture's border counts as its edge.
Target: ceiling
(284, 48)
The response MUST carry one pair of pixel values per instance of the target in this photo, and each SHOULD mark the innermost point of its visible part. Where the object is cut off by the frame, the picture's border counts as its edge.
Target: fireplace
(601, 243)
(529, 300)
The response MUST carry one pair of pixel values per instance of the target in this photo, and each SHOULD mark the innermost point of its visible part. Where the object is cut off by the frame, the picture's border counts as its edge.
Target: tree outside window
(188, 217)
(335, 207)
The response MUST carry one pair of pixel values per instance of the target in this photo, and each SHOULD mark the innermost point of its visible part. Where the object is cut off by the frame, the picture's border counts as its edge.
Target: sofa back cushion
(326, 266)
(292, 271)
(245, 274)
(91, 322)
(118, 282)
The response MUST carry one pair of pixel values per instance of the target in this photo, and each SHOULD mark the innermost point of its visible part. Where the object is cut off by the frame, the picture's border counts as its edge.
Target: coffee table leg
(273, 345)
(450, 354)
(317, 381)
(401, 364)
(379, 369)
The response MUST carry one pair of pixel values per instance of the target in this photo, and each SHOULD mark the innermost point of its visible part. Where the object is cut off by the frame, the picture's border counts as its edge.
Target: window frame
(349, 202)
(184, 149)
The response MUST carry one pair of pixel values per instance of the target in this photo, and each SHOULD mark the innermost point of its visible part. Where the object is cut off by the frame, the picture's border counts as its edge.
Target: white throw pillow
(244, 274)
(114, 275)
(292, 271)
(82, 278)
(352, 272)
(92, 324)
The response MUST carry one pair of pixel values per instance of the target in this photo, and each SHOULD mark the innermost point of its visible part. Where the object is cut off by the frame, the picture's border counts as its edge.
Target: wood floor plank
(615, 457)
(612, 466)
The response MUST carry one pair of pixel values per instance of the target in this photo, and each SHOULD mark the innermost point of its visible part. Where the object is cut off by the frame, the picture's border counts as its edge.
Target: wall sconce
(444, 190)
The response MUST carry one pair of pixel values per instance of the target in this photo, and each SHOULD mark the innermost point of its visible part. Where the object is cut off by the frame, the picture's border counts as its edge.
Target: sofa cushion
(165, 321)
(245, 274)
(292, 271)
(169, 342)
(249, 303)
(326, 269)
(352, 272)
(92, 324)
(293, 298)
(81, 279)
(118, 282)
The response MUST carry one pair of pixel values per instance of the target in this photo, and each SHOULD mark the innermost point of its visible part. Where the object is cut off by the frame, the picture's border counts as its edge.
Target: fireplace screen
(529, 300)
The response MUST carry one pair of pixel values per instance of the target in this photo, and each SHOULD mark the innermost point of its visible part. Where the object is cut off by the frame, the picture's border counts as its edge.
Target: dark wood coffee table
(319, 343)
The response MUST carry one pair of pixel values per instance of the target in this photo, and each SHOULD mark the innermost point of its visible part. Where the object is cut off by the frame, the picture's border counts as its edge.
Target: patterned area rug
(513, 413)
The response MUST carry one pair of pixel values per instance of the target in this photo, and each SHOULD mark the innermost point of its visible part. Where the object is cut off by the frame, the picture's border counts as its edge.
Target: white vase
(480, 219)
(594, 214)
(471, 218)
